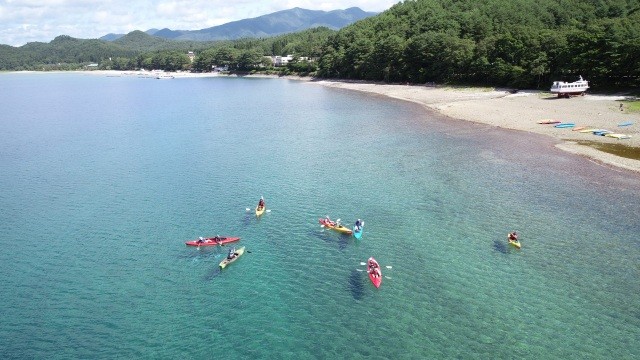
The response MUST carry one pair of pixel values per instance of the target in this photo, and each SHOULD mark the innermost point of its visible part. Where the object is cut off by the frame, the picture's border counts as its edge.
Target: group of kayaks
(217, 240)
(587, 129)
(234, 253)
(373, 268)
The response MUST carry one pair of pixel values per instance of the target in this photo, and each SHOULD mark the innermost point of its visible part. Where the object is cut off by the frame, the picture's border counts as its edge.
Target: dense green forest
(519, 43)
(516, 43)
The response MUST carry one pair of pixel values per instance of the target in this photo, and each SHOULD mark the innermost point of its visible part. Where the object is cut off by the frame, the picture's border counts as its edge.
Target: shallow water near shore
(104, 178)
(615, 149)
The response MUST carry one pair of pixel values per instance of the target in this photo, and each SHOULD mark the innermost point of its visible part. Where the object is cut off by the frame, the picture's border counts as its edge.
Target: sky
(23, 21)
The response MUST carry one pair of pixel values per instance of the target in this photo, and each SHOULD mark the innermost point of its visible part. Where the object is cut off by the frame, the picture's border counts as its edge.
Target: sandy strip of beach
(522, 111)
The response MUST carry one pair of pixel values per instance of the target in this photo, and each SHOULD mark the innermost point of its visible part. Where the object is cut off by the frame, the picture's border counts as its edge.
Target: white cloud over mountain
(23, 21)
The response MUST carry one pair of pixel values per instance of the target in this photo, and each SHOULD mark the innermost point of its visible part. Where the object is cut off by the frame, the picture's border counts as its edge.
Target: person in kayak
(372, 266)
(232, 254)
(358, 225)
(261, 203)
(328, 221)
(513, 236)
(200, 240)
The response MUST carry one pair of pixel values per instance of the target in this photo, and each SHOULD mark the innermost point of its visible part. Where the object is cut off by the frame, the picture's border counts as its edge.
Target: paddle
(388, 266)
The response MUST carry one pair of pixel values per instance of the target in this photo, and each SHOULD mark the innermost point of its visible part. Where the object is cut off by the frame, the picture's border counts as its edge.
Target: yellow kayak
(260, 210)
(515, 243)
(235, 257)
(618, 136)
(337, 227)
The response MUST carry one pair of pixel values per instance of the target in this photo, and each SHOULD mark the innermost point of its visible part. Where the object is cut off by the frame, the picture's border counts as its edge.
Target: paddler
(512, 236)
(328, 221)
(261, 203)
(358, 225)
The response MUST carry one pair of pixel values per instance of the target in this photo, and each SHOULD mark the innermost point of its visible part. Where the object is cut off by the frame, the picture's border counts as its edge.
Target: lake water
(104, 178)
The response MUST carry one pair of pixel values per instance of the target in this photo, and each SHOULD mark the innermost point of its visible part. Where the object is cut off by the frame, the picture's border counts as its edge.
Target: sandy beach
(519, 111)
(522, 111)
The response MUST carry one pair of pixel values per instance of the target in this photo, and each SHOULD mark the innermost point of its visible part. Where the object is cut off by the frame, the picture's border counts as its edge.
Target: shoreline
(519, 111)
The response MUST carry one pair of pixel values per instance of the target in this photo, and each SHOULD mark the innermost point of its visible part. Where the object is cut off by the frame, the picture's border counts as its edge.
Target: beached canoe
(335, 226)
(602, 132)
(212, 241)
(626, 123)
(618, 136)
(515, 243)
(565, 125)
(374, 271)
(235, 257)
(548, 121)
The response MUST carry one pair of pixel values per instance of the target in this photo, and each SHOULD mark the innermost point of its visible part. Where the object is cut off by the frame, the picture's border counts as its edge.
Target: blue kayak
(565, 125)
(357, 233)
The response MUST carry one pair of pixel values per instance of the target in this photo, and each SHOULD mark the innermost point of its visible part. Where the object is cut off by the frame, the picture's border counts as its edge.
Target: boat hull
(339, 228)
(375, 277)
(357, 233)
(212, 241)
(228, 261)
(566, 89)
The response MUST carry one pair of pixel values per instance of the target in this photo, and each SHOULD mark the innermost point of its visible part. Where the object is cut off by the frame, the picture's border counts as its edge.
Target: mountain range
(277, 23)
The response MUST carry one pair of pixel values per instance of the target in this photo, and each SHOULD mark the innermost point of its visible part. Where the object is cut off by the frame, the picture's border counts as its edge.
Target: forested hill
(520, 43)
(515, 43)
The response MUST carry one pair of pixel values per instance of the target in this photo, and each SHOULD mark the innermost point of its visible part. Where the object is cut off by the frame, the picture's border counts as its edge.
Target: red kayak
(375, 273)
(212, 241)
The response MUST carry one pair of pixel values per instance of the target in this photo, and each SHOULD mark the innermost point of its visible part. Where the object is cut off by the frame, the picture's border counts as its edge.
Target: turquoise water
(104, 178)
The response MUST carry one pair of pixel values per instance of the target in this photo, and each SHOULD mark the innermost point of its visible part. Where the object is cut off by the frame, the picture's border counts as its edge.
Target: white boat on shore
(164, 76)
(566, 89)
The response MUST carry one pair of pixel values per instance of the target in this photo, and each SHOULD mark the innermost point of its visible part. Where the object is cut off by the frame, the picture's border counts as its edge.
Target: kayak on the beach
(374, 271)
(233, 256)
(589, 130)
(618, 136)
(335, 225)
(602, 132)
(548, 121)
(626, 123)
(565, 125)
(212, 241)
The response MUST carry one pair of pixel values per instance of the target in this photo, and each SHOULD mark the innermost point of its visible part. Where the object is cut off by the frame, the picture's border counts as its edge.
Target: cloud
(23, 21)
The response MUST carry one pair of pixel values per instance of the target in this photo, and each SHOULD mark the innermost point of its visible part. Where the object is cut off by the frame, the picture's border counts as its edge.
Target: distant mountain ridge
(277, 23)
